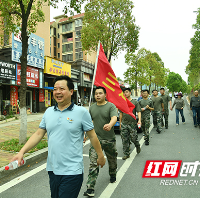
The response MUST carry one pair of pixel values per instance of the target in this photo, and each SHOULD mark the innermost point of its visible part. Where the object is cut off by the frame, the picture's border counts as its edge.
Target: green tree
(176, 83)
(138, 72)
(193, 68)
(112, 23)
(23, 16)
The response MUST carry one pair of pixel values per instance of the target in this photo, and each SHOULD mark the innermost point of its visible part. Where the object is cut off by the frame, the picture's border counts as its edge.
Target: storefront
(7, 78)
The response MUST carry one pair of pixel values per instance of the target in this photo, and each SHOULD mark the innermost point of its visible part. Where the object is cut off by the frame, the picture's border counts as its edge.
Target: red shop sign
(32, 76)
(41, 95)
(13, 95)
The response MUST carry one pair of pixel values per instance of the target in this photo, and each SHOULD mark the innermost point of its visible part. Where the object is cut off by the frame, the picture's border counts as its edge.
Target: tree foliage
(112, 23)
(146, 68)
(176, 83)
(193, 67)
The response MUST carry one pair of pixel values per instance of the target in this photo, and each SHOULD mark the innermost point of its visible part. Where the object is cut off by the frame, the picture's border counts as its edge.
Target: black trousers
(65, 186)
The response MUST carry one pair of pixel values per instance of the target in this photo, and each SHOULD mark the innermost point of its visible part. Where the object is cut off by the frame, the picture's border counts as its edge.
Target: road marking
(21, 178)
(112, 186)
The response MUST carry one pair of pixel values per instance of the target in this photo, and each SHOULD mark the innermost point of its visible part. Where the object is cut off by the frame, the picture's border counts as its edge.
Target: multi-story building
(65, 45)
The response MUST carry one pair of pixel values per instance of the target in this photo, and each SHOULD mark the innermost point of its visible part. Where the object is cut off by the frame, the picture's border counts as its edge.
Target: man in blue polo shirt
(65, 124)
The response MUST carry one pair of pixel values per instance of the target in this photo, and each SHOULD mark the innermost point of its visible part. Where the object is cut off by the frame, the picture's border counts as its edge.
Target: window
(78, 22)
(67, 47)
(78, 34)
(54, 41)
(78, 45)
(58, 45)
(79, 55)
(67, 27)
(58, 55)
(55, 31)
(58, 26)
(58, 35)
(68, 57)
(54, 51)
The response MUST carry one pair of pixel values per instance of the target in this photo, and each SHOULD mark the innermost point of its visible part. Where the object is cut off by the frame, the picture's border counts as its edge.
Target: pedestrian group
(65, 125)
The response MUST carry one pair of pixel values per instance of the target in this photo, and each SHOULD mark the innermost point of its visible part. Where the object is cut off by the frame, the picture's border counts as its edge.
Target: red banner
(32, 76)
(105, 77)
(13, 95)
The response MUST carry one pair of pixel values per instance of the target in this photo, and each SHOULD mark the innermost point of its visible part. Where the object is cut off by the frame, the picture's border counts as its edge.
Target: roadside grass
(13, 145)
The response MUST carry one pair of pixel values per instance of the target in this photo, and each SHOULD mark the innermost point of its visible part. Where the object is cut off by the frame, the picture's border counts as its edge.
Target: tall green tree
(139, 70)
(111, 22)
(176, 83)
(23, 15)
(193, 68)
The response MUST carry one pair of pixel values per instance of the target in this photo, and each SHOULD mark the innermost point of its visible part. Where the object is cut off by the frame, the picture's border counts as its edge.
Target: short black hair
(70, 83)
(129, 89)
(154, 90)
(145, 91)
(162, 88)
(100, 87)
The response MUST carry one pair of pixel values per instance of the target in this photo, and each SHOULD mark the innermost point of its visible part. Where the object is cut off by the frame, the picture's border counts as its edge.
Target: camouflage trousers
(165, 114)
(145, 127)
(128, 134)
(110, 150)
(157, 117)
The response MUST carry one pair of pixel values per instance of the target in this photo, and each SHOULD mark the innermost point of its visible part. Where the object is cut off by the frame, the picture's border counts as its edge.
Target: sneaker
(112, 179)
(89, 193)
(138, 149)
(177, 124)
(195, 126)
(183, 122)
(125, 157)
(166, 127)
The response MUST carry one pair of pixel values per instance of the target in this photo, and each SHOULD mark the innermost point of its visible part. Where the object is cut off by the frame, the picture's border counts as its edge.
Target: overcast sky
(165, 28)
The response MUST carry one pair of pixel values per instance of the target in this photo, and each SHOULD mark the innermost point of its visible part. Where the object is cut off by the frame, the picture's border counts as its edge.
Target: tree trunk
(23, 59)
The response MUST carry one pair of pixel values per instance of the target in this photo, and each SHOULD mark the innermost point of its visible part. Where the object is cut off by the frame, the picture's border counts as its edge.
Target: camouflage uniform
(129, 129)
(157, 118)
(129, 132)
(157, 113)
(145, 127)
(165, 114)
(145, 117)
(110, 150)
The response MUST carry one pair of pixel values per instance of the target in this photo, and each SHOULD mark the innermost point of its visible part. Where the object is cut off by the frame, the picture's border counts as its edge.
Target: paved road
(177, 143)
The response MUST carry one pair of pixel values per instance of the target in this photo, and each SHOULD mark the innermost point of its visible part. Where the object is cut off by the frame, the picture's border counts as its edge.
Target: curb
(36, 156)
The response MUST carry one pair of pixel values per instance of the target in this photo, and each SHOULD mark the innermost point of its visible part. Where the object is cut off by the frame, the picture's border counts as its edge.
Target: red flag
(105, 77)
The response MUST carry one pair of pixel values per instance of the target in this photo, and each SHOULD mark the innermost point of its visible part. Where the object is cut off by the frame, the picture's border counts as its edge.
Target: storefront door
(29, 100)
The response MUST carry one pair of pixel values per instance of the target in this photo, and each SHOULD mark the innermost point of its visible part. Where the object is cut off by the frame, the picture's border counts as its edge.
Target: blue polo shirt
(65, 131)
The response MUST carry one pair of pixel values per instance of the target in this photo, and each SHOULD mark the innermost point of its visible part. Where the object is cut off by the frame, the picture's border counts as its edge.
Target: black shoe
(89, 193)
(146, 142)
(195, 126)
(158, 131)
(125, 157)
(112, 179)
(138, 149)
(166, 127)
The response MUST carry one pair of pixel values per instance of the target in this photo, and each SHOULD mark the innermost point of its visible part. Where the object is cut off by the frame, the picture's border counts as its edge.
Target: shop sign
(86, 77)
(35, 55)
(7, 70)
(32, 76)
(13, 95)
(56, 67)
(41, 95)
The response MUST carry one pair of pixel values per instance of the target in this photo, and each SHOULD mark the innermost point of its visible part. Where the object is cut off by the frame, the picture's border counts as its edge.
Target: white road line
(112, 186)
(21, 178)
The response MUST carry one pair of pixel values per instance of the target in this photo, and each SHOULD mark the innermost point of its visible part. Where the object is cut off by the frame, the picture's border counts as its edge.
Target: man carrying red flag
(105, 77)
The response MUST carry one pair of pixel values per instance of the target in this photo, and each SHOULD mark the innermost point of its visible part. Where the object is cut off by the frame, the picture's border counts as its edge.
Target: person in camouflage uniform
(104, 116)
(166, 101)
(158, 108)
(128, 126)
(146, 107)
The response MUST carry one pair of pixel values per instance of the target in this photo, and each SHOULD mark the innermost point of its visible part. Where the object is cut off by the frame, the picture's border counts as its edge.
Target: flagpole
(95, 70)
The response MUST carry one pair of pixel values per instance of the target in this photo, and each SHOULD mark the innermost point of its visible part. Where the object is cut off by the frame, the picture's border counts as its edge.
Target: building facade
(65, 45)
